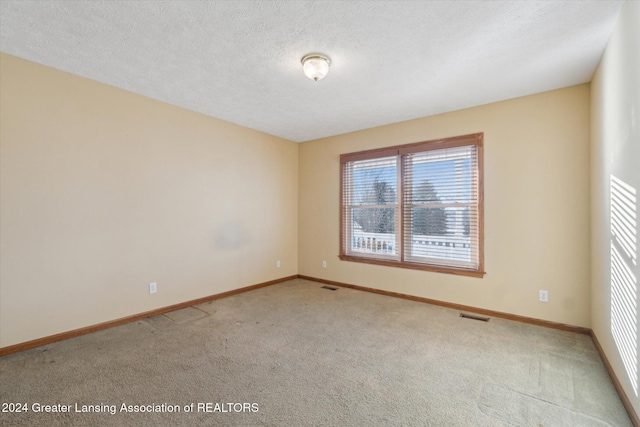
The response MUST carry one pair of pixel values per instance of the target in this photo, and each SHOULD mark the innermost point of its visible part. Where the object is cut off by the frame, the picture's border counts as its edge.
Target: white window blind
(371, 204)
(415, 206)
(440, 214)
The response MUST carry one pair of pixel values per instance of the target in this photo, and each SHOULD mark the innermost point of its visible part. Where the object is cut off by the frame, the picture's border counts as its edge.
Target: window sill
(413, 266)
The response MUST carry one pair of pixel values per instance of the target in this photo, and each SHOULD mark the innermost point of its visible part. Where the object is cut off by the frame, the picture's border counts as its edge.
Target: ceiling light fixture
(315, 66)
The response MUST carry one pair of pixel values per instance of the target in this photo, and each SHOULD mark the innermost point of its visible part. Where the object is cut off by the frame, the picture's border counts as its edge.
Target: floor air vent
(474, 317)
(331, 288)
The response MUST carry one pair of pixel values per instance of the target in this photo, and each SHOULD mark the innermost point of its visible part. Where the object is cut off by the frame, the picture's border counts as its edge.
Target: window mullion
(403, 221)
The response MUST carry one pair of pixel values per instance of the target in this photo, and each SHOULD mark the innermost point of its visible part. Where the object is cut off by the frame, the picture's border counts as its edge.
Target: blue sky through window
(438, 173)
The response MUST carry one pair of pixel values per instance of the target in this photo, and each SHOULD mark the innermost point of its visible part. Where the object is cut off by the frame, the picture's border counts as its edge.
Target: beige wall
(104, 191)
(615, 151)
(536, 207)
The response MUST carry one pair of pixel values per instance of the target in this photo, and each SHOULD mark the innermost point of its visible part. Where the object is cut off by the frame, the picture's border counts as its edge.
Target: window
(415, 206)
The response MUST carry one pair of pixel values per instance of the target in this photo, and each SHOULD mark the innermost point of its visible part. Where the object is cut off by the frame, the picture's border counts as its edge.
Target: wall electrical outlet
(278, 263)
(324, 264)
(544, 296)
(153, 288)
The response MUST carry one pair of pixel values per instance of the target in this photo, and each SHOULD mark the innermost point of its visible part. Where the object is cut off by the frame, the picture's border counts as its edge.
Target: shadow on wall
(624, 283)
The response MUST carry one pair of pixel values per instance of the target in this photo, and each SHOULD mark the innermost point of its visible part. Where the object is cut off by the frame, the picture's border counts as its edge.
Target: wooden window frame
(476, 140)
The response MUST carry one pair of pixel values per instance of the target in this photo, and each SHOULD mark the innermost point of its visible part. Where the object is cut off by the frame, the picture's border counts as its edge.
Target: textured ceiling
(391, 60)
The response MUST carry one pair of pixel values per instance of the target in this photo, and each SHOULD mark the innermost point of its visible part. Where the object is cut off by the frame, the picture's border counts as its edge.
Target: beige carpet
(295, 354)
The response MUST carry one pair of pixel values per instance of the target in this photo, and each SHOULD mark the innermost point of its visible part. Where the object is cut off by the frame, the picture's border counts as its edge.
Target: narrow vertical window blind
(415, 206)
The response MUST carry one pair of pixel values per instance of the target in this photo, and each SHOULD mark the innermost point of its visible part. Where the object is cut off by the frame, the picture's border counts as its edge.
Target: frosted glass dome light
(315, 66)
